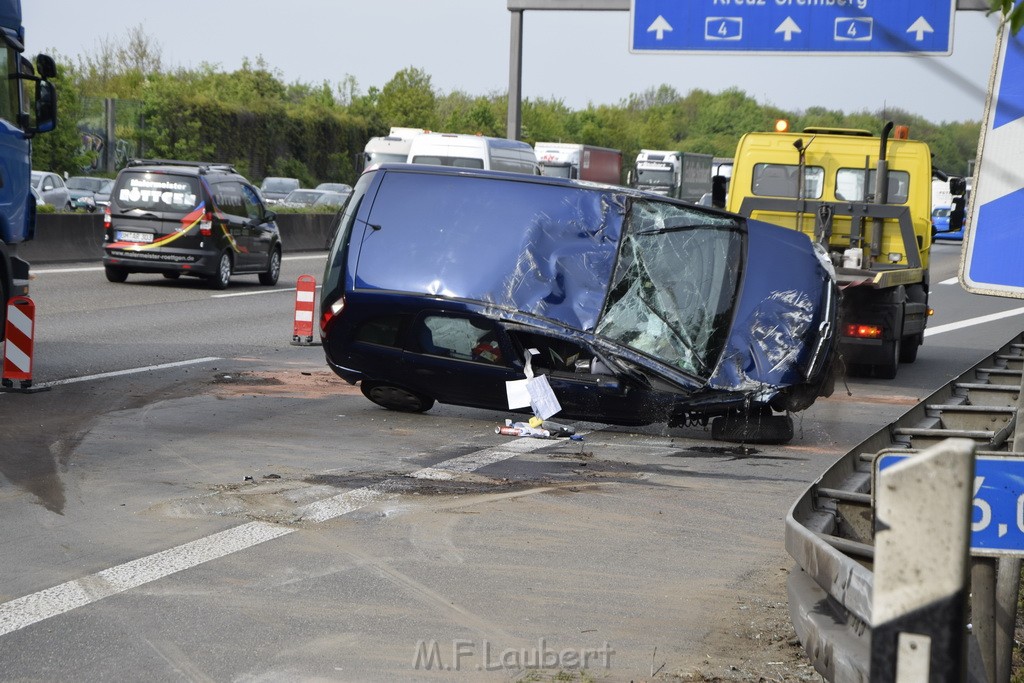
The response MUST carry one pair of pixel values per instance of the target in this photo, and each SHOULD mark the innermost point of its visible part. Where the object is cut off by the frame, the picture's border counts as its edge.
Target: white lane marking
(31, 609)
(972, 321)
(262, 291)
(130, 371)
(51, 602)
(93, 269)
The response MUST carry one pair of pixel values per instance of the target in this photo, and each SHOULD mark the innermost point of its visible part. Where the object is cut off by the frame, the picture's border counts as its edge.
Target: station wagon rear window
(156, 192)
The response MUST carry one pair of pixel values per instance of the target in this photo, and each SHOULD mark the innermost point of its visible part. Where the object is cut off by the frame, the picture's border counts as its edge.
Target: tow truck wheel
(756, 425)
(396, 398)
(888, 368)
(909, 346)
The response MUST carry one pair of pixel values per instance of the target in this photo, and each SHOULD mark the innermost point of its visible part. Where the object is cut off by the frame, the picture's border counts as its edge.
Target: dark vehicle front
(640, 309)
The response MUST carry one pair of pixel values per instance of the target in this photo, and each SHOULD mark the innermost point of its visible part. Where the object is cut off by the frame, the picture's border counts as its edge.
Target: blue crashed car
(641, 309)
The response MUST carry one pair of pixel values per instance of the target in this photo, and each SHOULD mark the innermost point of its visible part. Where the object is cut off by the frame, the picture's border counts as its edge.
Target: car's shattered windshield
(675, 285)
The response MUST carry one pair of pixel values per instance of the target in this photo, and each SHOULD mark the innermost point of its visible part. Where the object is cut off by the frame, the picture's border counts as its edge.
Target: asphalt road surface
(195, 498)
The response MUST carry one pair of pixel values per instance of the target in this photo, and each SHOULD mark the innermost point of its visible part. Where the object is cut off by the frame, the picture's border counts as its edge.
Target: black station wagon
(186, 218)
(640, 308)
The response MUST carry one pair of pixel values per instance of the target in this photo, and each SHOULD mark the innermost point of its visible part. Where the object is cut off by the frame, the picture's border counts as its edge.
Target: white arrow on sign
(788, 28)
(920, 27)
(659, 26)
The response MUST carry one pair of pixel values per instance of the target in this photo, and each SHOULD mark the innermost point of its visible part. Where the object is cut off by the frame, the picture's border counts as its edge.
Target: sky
(580, 58)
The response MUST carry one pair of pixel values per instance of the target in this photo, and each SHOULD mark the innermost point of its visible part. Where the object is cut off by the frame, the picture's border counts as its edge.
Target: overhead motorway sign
(882, 27)
(997, 506)
(993, 255)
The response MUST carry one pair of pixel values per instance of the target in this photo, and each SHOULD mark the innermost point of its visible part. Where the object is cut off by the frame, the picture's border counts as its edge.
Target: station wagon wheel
(269, 277)
(395, 398)
(115, 274)
(222, 277)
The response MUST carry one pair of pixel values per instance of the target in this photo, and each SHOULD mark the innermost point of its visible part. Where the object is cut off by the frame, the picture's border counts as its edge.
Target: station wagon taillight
(332, 310)
(206, 224)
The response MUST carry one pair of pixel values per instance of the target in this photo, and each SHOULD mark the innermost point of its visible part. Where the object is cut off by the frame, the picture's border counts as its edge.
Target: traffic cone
(305, 303)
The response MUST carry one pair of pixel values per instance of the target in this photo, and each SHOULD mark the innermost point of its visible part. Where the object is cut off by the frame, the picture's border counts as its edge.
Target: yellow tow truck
(866, 199)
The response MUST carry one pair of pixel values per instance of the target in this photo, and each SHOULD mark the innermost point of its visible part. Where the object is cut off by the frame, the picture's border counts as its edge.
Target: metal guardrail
(830, 528)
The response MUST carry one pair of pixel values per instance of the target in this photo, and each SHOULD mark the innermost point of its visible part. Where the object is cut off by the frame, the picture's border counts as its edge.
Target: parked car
(187, 218)
(51, 186)
(332, 199)
(301, 198)
(83, 191)
(274, 189)
(940, 225)
(335, 187)
(102, 195)
(641, 309)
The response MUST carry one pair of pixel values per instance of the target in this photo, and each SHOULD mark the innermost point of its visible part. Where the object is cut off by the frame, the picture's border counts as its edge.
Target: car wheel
(115, 274)
(395, 398)
(172, 275)
(273, 271)
(756, 425)
(222, 277)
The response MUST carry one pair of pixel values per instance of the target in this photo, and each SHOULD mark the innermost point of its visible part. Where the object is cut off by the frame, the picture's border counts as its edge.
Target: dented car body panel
(642, 309)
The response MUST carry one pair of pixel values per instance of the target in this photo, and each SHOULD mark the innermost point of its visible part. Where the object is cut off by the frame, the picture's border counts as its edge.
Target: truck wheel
(756, 425)
(887, 369)
(115, 274)
(909, 346)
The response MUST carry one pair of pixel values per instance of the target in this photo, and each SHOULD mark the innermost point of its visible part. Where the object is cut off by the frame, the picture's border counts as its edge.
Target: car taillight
(863, 331)
(206, 224)
(332, 310)
(106, 218)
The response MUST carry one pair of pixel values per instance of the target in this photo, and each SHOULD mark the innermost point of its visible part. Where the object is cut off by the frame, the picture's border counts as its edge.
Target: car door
(261, 228)
(235, 234)
(460, 359)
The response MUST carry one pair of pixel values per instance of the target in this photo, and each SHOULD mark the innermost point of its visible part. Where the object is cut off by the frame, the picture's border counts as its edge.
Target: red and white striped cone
(305, 303)
(18, 333)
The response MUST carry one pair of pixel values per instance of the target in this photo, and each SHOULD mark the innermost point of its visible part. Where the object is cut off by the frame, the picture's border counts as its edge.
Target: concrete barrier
(68, 237)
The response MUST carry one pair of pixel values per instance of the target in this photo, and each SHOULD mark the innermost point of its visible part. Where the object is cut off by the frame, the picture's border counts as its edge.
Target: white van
(473, 151)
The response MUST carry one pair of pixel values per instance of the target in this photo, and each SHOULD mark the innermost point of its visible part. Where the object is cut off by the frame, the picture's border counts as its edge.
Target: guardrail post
(919, 603)
(983, 615)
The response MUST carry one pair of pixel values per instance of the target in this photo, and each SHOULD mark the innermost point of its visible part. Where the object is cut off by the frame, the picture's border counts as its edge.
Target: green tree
(61, 149)
(408, 99)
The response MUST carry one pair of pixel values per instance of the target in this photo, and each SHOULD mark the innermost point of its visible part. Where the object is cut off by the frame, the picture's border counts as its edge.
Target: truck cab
(866, 200)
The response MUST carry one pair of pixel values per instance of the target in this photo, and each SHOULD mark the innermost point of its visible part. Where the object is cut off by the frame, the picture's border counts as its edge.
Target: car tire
(115, 274)
(172, 275)
(273, 272)
(395, 398)
(756, 425)
(222, 277)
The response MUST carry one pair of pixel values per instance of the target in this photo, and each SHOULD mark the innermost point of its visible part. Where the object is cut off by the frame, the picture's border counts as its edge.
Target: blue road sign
(923, 27)
(997, 515)
(993, 260)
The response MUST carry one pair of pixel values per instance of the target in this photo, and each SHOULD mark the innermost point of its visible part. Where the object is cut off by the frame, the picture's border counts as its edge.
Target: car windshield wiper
(680, 228)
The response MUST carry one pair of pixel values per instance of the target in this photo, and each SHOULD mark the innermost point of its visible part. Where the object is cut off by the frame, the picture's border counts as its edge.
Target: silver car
(51, 186)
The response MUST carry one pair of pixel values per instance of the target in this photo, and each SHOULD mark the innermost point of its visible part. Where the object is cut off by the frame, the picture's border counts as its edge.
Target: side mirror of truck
(46, 108)
(956, 214)
(46, 67)
(957, 186)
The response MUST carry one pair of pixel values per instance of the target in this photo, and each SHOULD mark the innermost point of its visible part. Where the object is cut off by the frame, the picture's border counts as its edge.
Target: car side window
(459, 338)
(383, 330)
(251, 200)
(228, 196)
